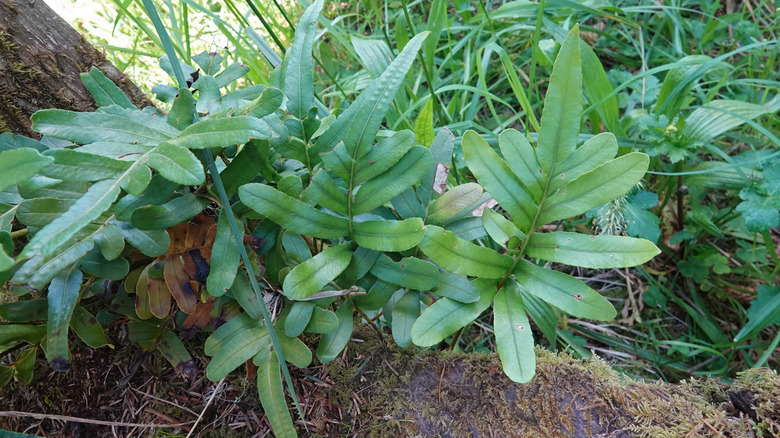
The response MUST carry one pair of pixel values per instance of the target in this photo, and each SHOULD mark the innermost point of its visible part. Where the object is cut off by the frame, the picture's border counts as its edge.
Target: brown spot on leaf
(440, 178)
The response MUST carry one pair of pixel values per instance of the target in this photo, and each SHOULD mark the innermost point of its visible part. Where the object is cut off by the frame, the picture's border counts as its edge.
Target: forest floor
(376, 390)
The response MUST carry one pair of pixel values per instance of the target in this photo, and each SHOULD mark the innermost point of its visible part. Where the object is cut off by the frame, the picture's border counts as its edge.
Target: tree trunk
(41, 57)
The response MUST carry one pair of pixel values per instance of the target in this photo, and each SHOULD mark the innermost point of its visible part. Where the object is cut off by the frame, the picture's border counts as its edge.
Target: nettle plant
(344, 220)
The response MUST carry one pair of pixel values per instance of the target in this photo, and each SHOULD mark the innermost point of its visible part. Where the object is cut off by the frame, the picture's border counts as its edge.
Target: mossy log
(41, 57)
(385, 391)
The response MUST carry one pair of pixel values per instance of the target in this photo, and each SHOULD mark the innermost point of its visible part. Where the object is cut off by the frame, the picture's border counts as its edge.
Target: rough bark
(41, 57)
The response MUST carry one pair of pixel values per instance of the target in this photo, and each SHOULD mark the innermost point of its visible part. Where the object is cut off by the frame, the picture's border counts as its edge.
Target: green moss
(7, 44)
(444, 393)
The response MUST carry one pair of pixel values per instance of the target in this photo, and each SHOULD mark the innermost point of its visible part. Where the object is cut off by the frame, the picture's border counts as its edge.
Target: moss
(452, 394)
(19, 68)
(7, 45)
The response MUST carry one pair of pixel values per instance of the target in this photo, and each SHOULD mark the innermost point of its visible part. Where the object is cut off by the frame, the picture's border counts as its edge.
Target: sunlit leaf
(292, 213)
(565, 292)
(409, 272)
(560, 124)
(176, 164)
(598, 252)
(299, 76)
(592, 189)
(521, 158)
(221, 132)
(495, 176)
(358, 124)
(423, 124)
(453, 201)
(387, 235)
(463, 257)
(103, 90)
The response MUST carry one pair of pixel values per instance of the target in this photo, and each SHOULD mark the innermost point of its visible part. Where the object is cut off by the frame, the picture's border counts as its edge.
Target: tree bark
(41, 57)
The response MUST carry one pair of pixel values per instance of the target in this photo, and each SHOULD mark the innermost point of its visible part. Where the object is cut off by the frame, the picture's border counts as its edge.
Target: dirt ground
(375, 390)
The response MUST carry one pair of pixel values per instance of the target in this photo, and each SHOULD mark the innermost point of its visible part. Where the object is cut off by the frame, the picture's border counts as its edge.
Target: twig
(165, 401)
(208, 403)
(709, 426)
(19, 233)
(440, 380)
(85, 420)
(369, 320)
(164, 416)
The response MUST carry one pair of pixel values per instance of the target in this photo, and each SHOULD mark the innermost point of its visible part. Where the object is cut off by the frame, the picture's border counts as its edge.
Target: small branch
(205, 408)
(86, 420)
(369, 320)
(455, 339)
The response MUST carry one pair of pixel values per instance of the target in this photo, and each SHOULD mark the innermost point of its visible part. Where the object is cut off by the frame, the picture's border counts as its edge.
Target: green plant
(337, 213)
(535, 186)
